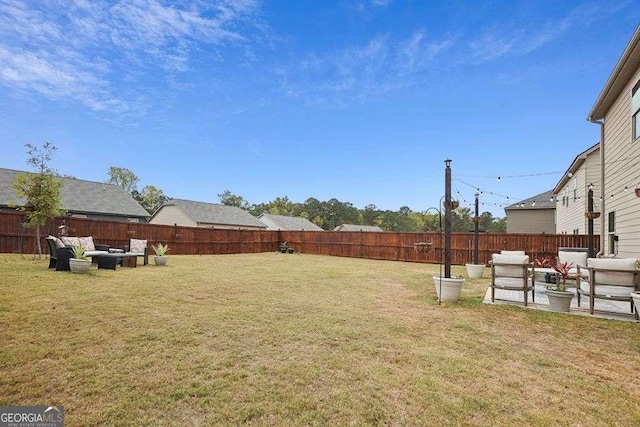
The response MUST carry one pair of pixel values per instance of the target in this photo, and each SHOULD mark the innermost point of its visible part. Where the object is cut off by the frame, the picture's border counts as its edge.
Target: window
(612, 222)
(635, 111)
(576, 231)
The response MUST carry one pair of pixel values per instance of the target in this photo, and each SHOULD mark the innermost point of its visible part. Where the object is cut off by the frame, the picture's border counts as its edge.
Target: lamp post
(476, 238)
(447, 218)
(591, 215)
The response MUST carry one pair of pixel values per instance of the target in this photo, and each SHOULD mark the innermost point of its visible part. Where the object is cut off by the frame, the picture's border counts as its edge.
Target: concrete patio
(603, 308)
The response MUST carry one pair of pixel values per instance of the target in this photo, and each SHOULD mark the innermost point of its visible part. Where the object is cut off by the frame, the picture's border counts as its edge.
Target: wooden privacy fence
(412, 247)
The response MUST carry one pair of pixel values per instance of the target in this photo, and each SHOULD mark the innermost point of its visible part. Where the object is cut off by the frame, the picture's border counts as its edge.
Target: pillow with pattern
(57, 242)
(70, 241)
(137, 246)
(87, 243)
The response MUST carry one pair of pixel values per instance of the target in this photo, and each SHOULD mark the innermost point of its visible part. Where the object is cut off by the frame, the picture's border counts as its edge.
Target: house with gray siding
(571, 192)
(289, 223)
(80, 199)
(190, 213)
(534, 215)
(617, 112)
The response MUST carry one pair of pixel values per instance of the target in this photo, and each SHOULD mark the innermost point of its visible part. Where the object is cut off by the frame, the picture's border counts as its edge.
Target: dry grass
(300, 339)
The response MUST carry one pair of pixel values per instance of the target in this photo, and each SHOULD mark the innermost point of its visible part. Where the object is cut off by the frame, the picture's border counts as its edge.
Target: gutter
(602, 183)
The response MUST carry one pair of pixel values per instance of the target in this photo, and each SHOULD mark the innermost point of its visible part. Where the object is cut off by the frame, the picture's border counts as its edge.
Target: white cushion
(575, 258)
(510, 282)
(509, 271)
(623, 277)
(606, 290)
(512, 252)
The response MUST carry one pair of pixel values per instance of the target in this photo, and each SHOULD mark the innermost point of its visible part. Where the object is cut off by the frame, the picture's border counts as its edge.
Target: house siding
(622, 169)
(571, 217)
(531, 221)
(170, 215)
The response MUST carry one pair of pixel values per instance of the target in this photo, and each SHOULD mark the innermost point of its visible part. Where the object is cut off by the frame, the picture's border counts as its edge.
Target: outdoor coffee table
(111, 260)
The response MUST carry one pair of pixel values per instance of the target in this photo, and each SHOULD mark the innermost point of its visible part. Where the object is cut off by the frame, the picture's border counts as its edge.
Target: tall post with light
(447, 218)
(591, 215)
(476, 238)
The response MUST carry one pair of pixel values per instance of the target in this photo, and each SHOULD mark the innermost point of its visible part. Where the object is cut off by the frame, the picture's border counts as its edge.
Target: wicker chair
(59, 257)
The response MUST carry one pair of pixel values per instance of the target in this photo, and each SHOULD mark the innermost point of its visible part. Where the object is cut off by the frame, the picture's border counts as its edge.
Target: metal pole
(476, 238)
(447, 218)
(590, 221)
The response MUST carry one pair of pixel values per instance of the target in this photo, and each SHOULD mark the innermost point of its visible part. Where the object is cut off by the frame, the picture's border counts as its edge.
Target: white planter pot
(636, 301)
(79, 265)
(559, 301)
(160, 260)
(474, 271)
(451, 288)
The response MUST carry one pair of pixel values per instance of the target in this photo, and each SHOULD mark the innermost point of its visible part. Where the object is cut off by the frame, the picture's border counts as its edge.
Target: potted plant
(559, 296)
(448, 288)
(474, 271)
(80, 263)
(160, 250)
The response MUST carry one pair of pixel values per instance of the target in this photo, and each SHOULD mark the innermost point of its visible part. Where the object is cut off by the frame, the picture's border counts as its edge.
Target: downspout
(602, 192)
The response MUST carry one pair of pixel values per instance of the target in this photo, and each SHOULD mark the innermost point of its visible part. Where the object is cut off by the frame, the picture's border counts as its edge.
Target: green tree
(41, 190)
(227, 198)
(124, 178)
(151, 198)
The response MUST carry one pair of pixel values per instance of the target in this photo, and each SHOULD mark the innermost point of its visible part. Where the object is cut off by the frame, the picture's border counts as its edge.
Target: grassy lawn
(301, 339)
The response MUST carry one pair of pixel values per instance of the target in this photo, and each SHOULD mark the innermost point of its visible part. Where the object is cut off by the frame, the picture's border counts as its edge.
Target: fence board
(14, 238)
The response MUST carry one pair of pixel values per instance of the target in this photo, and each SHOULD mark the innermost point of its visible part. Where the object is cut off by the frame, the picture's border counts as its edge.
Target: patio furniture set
(614, 279)
(61, 251)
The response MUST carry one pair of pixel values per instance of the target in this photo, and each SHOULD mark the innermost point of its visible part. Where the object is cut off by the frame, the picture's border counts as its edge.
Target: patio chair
(512, 272)
(59, 255)
(576, 257)
(140, 248)
(609, 278)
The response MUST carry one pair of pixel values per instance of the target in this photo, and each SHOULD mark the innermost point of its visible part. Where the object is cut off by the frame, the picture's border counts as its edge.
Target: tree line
(332, 213)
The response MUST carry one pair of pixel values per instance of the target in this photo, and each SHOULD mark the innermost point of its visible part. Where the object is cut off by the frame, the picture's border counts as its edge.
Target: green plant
(563, 271)
(78, 253)
(160, 249)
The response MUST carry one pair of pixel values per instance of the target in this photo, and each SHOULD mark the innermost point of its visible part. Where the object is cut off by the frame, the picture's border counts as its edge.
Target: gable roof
(79, 196)
(357, 227)
(542, 201)
(213, 213)
(577, 162)
(625, 68)
(291, 223)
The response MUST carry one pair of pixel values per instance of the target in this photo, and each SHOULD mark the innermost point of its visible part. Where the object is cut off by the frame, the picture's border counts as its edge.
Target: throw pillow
(70, 241)
(58, 242)
(87, 243)
(137, 246)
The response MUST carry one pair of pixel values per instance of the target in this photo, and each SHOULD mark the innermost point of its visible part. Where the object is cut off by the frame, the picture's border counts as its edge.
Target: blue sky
(361, 100)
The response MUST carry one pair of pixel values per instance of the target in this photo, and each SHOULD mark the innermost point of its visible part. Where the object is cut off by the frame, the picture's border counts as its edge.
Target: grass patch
(301, 339)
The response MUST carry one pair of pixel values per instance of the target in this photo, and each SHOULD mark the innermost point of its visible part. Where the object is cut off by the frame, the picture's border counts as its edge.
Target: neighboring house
(533, 215)
(357, 227)
(617, 111)
(289, 223)
(80, 199)
(200, 214)
(571, 193)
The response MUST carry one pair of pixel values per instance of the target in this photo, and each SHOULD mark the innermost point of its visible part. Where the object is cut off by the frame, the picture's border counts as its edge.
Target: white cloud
(81, 50)
(355, 73)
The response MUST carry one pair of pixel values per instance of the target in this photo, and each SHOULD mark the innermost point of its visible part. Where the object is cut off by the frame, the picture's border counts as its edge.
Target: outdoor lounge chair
(512, 272)
(609, 278)
(140, 248)
(59, 256)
